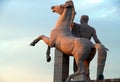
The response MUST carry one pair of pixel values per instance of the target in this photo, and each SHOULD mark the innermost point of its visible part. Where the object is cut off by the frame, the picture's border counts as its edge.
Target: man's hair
(84, 18)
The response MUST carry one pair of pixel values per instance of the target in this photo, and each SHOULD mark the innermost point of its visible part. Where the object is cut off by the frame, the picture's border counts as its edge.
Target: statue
(62, 39)
(84, 30)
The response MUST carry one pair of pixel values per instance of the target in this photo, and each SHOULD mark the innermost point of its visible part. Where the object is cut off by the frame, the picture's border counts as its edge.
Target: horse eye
(62, 5)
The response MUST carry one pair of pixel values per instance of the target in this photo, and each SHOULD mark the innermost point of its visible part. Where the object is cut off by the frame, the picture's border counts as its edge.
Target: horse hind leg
(87, 62)
(81, 70)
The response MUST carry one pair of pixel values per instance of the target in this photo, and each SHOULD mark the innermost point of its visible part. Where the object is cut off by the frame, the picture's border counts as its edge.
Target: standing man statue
(84, 30)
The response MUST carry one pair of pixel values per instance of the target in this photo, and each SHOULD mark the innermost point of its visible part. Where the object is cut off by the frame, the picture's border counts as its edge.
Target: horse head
(60, 8)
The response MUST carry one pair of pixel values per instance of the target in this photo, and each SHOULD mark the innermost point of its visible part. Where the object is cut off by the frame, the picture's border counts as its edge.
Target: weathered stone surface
(61, 66)
(105, 80)
(79, 78)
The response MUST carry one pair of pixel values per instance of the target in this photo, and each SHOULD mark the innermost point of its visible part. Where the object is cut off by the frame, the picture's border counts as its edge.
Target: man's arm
(95, 37)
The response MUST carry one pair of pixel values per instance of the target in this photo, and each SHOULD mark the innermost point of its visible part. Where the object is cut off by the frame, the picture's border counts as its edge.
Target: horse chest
(65, 44)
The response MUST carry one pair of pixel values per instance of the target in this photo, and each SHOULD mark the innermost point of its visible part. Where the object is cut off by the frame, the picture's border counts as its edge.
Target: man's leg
(101, 64)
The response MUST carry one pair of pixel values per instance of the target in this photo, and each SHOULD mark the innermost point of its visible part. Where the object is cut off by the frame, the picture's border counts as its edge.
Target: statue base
(105, 80)
(80, 77)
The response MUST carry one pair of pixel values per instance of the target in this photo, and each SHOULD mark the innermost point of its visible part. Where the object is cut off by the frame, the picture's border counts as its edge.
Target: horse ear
(68, 4)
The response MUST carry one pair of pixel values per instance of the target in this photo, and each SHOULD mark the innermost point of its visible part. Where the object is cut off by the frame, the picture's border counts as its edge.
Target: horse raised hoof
(48, 58)
(32, 43)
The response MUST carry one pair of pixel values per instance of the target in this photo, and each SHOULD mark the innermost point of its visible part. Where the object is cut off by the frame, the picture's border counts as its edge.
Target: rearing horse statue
(62, 39)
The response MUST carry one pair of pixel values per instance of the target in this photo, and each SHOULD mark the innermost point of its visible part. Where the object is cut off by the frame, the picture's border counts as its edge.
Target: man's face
(84, 19)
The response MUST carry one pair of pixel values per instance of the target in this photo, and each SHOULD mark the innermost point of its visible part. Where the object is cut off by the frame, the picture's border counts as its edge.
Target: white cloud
(95, 1)
(23, 74)
(109, 12)
(20, 62)
(86, 4)
(90, 2)
(97, 8)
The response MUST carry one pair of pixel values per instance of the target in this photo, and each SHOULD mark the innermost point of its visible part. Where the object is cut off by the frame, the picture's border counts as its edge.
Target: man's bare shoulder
(76, 24)
(92, 28)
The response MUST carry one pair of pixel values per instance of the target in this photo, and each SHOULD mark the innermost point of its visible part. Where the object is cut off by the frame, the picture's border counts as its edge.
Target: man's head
(84, 18)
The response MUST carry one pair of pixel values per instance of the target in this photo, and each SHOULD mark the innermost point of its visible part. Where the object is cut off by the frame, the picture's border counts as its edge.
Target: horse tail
(102, 54)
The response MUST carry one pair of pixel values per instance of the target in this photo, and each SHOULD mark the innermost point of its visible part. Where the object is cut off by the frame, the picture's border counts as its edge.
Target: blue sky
(21, 21)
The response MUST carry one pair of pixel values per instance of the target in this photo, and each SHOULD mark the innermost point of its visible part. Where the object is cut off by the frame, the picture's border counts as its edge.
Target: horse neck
(65, 19)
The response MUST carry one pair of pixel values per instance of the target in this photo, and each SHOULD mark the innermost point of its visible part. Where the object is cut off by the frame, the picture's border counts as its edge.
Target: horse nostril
(52, 7)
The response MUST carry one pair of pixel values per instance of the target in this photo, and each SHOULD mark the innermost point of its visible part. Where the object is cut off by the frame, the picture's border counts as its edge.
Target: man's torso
(83, 31)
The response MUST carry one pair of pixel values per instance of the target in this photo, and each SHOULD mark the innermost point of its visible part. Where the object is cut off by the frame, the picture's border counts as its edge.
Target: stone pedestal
(79, 78)
(105, 80)
(61, 66)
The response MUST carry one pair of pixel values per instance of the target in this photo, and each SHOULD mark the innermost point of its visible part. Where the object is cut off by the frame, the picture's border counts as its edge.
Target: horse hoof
(32, 44)
(48, 59)
(68, 79)
(100, 77)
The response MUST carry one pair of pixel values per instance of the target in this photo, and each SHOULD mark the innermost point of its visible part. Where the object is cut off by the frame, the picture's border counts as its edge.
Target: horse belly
(66, 46)
(81, 47)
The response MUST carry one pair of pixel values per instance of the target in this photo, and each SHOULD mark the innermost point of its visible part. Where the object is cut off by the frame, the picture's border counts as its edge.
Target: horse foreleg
(48, 54)
(41, 37)
(47, 41)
